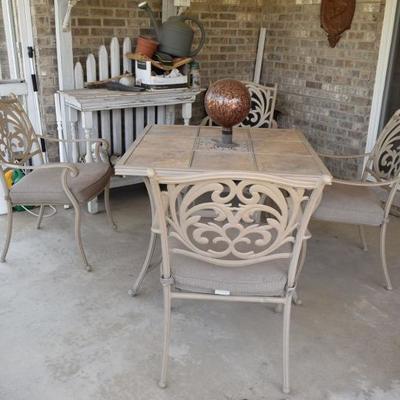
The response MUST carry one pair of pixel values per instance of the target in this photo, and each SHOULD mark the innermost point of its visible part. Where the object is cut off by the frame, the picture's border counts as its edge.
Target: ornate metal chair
(51, 183)
(213, 248)
(357, 202)
(263, 99)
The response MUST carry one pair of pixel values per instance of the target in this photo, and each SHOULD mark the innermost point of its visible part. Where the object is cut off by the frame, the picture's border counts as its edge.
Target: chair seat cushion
(264, 279)
(350, 204)
(44, 185)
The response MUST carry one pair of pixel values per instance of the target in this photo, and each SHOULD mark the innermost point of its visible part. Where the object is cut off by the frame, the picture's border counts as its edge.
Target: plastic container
(195, 78)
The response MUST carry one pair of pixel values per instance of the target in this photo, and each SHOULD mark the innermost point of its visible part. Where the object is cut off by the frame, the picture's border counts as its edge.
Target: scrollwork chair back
(384, 161)
(214, 218)
(261, 115)
(18, 140)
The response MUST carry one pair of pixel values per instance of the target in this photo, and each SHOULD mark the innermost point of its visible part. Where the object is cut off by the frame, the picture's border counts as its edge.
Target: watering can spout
(145, 6)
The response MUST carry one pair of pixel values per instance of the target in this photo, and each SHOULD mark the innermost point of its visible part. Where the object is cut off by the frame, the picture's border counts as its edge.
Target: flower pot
(146, 46)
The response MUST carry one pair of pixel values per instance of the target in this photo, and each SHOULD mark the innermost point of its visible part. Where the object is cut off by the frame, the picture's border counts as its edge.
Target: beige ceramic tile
(285, 135)
(288, 164)
(169, 159)
(174, 130)
(215, 132)
(277, 147)
(220, 161)
(166, 141)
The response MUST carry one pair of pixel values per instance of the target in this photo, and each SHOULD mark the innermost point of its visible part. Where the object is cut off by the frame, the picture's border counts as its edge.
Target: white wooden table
(188, 149)
(83, 106)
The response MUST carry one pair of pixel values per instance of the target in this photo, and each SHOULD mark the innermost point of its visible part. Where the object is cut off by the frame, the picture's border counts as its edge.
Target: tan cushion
(264, 279)
(350, 204)
(44, 185)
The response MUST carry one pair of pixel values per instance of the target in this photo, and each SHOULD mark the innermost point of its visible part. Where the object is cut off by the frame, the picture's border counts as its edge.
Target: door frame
(381, 72)
(22, 66)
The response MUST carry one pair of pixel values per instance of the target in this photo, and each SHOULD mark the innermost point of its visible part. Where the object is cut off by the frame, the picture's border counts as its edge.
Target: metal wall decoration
(336, 17)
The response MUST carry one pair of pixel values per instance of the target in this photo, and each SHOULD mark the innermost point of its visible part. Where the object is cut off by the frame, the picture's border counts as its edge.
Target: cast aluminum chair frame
(235, 203)
(261, 115)
(382, 170)
(19, 146)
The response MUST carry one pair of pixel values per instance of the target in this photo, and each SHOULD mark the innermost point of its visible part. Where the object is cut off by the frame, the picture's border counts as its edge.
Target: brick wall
(96, 22)
(232, 28)
(326, 92)
(232, 31)
(46, 56)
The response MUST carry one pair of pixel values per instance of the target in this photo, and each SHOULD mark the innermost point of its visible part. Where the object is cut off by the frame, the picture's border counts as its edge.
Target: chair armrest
(98, 141)
(343, 157)
(67, 166)
(390, 182)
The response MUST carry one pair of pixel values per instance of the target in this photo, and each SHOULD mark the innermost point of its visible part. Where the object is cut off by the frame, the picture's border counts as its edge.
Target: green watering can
(174, 35)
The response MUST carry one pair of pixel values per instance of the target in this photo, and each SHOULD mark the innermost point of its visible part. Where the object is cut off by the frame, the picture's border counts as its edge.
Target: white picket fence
(118, 127)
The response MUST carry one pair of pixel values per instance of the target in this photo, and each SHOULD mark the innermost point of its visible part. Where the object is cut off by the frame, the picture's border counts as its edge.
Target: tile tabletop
(180, 149)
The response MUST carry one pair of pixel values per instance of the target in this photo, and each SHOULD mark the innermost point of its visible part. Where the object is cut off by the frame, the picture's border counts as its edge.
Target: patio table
(172, 149)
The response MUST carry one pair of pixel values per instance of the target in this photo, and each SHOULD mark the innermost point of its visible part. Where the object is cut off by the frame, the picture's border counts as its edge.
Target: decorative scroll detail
(262, 109)
(336, 17)
(386, 155)
(18, 140)
(262, 106)
(217, 221)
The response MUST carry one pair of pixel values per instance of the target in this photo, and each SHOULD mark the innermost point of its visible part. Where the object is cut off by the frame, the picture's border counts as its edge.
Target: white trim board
(381, 72)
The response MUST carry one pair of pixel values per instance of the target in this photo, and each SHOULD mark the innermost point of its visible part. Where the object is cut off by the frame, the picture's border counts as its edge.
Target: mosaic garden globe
(227, 103)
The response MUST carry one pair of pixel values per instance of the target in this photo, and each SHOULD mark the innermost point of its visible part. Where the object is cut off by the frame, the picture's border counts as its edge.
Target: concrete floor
(68, 334)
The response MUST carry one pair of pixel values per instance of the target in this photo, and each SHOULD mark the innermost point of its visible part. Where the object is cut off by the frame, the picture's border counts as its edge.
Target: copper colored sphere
(227, 102)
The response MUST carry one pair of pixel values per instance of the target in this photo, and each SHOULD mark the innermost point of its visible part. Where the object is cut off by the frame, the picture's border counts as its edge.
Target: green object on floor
(17, 176)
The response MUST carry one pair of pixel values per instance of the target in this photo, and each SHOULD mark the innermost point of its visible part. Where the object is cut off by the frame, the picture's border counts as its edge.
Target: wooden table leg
(73, 120)
(187, 113)
(87, 125)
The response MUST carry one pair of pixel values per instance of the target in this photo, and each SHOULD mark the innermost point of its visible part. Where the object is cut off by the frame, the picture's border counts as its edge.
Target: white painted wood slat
(78, 79)
(104, 115)
(128, 112)
(161, 115)
(91, 76)
(151, 115)
(139, 120)
(116, 114)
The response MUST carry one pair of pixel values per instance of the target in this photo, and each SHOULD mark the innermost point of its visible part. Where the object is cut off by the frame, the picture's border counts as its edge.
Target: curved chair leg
(9, 231)
(78, 237)
(107, 206)
(286, 332)
(167, 335)
(362, 237)
(146, 264)
(383, 257)
(40, 216)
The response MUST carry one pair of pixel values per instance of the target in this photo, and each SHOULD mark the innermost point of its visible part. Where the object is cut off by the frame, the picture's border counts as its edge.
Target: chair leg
(167, 335)
(286, 331)
(146, 264)
(296, 298)
(383, 257)
(40, 217)
(362, 237)
(78, 237)
(9, 231)
(107, 206)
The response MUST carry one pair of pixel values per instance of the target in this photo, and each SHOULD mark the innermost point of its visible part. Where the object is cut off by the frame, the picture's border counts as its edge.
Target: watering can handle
(203, 34)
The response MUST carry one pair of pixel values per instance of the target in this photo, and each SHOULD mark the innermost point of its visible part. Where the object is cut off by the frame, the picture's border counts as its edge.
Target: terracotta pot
(146, 46)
